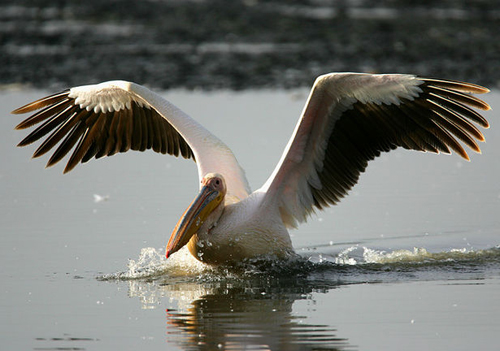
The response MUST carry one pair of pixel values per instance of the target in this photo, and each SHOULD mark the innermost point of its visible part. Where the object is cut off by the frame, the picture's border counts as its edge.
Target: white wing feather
(110, 104)
(323, 158)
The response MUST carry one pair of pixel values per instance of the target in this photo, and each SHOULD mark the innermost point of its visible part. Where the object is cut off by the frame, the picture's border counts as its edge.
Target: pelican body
(348, 120)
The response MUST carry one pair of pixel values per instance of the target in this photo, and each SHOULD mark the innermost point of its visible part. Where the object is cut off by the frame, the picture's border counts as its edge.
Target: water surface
(410, 260)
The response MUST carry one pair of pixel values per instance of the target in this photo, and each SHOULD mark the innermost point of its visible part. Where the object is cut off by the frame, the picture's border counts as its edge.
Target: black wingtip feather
(463, 87)
(40, 103)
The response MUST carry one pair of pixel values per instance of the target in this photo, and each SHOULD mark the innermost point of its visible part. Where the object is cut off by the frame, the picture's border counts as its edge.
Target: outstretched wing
(117, 116)
(350, 118)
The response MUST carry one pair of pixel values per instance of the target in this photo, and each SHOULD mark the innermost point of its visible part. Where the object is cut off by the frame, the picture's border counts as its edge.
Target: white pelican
(348, 120)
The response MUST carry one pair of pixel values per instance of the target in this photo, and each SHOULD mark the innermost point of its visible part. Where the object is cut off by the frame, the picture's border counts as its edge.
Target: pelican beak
(192, 219)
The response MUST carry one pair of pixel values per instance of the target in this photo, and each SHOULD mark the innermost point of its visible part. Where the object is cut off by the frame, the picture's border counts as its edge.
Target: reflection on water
(251, 312)
(241, 317)
(252, 309)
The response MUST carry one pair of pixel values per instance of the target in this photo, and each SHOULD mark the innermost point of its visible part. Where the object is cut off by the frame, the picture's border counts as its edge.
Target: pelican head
(202, 214)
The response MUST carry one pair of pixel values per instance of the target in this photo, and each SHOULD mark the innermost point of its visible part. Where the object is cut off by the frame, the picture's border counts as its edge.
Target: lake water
(409, 261)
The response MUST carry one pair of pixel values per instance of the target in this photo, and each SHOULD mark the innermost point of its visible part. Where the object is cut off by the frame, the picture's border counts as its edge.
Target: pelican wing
(117, 116)
(350, 118)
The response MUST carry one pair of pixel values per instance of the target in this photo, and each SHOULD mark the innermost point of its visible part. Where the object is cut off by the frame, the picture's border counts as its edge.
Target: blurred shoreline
(214, 44)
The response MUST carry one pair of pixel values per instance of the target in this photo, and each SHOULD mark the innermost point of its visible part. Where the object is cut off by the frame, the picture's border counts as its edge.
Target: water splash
(152, 264)
(343, 257)
(421, 255)
(361, 256)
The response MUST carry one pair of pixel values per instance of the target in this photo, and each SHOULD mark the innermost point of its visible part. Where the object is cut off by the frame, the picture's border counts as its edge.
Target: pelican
(348, 120)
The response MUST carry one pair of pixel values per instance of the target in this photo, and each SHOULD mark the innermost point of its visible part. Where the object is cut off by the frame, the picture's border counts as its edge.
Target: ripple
(351, 265)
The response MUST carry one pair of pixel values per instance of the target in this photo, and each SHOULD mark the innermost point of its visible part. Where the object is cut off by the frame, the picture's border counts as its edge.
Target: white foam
(343, 257)
(355, 255)
(152, 264)
(419, 255)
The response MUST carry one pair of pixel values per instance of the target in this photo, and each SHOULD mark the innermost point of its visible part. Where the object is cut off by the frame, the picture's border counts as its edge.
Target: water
(410, 260)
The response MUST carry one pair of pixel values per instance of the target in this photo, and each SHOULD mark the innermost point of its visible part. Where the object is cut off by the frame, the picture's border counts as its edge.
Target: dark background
(244, 44)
